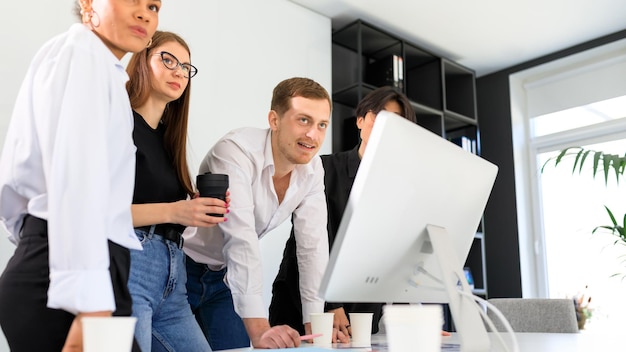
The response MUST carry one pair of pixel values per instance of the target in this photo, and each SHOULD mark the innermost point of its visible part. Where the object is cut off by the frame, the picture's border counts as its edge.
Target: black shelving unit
(442, 93)
(476, 263)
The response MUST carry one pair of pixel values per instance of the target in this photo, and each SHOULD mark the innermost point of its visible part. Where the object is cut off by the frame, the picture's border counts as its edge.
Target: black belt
(166, 231)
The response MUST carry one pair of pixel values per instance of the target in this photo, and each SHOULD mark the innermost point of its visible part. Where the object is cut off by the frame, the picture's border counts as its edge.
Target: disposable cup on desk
(412, 328)
(361, 328)
(322, 323)
(106, 334)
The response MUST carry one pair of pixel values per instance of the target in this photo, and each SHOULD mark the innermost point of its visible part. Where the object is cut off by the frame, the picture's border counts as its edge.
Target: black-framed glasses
(171, 62)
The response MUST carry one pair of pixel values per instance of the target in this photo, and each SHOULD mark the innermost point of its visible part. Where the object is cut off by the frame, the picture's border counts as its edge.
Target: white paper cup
(106, 334)
(322, 323)
(413, 327)
(361, 328)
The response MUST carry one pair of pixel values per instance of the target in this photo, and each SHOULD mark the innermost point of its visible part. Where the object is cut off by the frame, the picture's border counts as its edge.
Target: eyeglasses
(171, 62)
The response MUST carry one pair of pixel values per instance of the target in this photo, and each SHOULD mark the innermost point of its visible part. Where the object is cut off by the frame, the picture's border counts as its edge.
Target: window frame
(531, 239)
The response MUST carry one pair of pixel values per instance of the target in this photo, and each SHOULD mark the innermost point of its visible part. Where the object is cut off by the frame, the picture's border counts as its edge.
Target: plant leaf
(606, 162)
(562, 154)
(578, 155)
(611, 215)
(622, 164)
(596, 159)
(606, 227)
(616, 161)
(622, 232)
(582, 161)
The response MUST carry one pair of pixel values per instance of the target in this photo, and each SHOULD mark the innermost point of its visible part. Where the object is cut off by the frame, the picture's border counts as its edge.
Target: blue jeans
(157, 285)
(212, 303)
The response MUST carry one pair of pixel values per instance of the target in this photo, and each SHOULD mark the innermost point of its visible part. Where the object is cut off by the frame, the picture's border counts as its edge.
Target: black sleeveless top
(156, 179)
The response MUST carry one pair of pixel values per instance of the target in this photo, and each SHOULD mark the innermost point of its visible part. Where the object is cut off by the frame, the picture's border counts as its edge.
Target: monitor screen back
(408, 178)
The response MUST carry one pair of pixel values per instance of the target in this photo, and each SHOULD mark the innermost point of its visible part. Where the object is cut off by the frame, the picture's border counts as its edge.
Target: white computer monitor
(411, 217)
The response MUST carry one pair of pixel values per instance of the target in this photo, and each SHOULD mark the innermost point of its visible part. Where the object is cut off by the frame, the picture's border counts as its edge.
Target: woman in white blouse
(66, 180)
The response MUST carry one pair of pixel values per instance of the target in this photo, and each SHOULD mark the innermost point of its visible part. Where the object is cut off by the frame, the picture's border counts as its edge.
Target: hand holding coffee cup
(213, 186)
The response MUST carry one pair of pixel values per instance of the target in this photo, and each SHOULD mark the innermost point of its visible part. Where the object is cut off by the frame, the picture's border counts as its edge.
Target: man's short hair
(296, 87)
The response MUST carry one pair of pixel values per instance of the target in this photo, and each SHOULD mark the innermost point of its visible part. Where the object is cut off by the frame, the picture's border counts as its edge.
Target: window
(581, 116)
(576, 101)
(577, 260)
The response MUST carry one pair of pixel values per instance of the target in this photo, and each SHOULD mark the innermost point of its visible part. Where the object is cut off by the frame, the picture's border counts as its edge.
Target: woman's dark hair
(376, 100)
(176, 114)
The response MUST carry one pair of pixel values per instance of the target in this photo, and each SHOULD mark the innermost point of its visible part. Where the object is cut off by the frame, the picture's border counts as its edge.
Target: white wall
(242, 49)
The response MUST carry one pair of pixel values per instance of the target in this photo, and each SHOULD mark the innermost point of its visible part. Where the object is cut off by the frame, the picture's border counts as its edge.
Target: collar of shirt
(98, 46)
(299, 172)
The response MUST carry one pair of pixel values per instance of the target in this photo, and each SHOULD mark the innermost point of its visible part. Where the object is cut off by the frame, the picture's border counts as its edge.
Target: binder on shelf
(469, 277)
(388, 71)
(466, 143)
(398, 72)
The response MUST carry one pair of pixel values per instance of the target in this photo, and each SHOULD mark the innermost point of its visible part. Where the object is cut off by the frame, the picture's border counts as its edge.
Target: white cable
(500, 316)
(476, 299)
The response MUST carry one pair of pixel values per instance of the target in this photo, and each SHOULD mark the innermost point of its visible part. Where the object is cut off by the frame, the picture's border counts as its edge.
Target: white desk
(547, 342)
(528, 342)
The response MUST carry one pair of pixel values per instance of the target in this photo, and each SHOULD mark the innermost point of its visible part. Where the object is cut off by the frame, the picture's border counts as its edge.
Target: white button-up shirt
(69, 158)
(246, 156)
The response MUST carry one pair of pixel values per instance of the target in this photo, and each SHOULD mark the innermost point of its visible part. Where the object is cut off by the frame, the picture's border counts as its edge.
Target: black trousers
(27, 323)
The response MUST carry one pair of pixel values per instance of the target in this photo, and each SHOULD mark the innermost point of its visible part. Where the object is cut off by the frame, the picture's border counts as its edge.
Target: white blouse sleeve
(72, 95)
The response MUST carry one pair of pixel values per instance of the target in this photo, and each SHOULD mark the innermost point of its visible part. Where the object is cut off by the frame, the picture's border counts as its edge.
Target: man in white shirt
(274, 174)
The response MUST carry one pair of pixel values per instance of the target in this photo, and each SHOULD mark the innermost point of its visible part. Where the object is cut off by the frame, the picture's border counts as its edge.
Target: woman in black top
(340, 170)
(164, 201)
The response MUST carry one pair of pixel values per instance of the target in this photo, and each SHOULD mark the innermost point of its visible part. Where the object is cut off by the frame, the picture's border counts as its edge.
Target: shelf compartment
(460, 90)
(352, 94)
(345, 133)
(476, 262)
(454, 121)
(465, 137)
(429, 118)
(423, 77)
(373, 42)
(373, 56)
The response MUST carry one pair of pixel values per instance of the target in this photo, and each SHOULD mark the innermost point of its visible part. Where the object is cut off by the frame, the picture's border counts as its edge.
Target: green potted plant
(608, 164)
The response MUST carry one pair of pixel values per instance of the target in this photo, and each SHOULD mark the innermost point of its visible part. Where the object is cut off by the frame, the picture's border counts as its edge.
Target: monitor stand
(467, 319)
